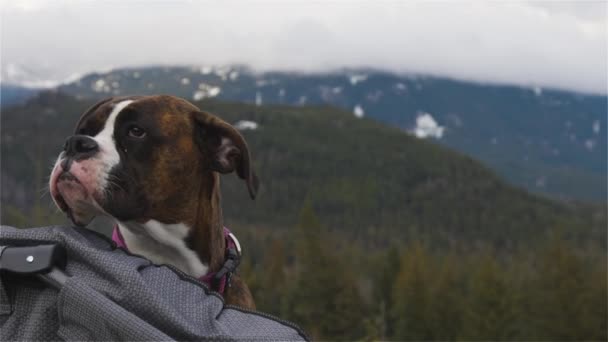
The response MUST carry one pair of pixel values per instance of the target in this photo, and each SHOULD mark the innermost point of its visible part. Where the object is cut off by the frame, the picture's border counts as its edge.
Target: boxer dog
(153, 163)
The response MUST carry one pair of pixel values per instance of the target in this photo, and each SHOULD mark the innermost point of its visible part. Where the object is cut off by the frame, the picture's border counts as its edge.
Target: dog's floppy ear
(227, 148)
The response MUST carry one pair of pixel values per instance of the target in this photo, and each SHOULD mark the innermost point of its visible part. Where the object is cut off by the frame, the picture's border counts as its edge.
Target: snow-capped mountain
(547, 140)
(33, 77)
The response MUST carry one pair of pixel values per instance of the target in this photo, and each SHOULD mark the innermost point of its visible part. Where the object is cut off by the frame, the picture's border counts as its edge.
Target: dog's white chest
(163, 244)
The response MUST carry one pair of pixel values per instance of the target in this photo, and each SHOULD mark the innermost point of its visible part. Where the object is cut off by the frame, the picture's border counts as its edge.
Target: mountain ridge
(546, 140)
(363, 178)
(537, 138)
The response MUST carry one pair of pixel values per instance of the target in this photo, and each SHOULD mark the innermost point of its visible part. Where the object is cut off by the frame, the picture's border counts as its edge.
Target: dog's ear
(227, 148)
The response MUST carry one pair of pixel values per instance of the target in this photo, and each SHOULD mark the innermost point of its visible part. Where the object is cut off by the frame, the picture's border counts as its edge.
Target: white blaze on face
(108, 154)
(92, 174)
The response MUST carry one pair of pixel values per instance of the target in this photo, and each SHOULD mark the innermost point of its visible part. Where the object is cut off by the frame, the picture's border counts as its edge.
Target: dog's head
(135, 158)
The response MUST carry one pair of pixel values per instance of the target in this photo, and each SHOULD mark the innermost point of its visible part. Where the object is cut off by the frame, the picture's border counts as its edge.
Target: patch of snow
(198, 95)
(136, 74)
(541, 182)
(455, 120)
(115, 84)
(13, 73)
(426, 126)
(36, 78)
(234, 75)
(596, 127)
(75, 77)
(222, 73)
(325, 93)
(494, 141)
(206, 91)
(100, 86)
(358, 111)
(261, 83)
(302, 100)
(400, 86)
(185, 81)
(258, 98)
(538, 91)
(215, 91)
(328, 93)
(46, 84)
(282, 92)
(354, 79)
(589, 144)
(246, 125)
(375, 96)
(206, 70)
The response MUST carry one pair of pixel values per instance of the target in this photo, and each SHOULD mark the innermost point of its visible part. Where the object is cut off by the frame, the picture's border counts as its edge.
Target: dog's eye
(136, 132)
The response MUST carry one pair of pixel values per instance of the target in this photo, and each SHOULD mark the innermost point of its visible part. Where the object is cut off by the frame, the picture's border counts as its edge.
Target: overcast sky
(560, 44)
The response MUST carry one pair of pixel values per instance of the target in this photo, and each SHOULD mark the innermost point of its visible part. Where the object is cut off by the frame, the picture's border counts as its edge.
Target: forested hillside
(361, 230)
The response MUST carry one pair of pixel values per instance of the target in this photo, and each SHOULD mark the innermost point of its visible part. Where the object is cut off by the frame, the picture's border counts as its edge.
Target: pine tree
(411, 296)
(446, 299)
(558, 307)
(387, 269)
(324, 299)
(595, 314)
(273, 279)
(489, 310)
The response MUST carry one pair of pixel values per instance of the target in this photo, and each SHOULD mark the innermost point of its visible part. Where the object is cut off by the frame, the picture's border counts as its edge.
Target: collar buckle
(237, 244)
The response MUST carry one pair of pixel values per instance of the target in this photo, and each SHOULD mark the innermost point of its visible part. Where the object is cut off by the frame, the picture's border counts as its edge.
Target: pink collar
(217, 281)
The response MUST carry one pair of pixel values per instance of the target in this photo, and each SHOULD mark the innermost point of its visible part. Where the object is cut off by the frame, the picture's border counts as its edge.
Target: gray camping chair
(92, 291)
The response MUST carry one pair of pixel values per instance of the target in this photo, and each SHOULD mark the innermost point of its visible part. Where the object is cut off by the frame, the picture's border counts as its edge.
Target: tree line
(413, 291)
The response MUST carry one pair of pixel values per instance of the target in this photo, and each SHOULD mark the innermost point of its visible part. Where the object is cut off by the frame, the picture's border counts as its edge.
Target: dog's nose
(80, 147)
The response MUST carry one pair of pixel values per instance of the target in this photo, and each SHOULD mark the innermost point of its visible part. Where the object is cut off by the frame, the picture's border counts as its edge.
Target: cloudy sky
(559, 44)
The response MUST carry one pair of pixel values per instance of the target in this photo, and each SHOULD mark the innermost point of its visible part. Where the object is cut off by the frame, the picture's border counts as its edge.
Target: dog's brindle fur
(174, 176)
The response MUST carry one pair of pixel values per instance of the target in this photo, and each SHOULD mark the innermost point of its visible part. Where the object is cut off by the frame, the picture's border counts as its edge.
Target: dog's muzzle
(78, 147)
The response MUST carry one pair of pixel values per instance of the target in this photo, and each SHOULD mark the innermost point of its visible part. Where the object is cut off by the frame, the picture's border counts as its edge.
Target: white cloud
(528, 43)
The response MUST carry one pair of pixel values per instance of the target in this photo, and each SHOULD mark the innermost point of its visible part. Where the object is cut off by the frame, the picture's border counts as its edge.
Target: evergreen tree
(386, 272)
(411, 295)
(446, 299)
(558, 307)
(595, 314)
(489, 309)
(325, 299)
(274, 279)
